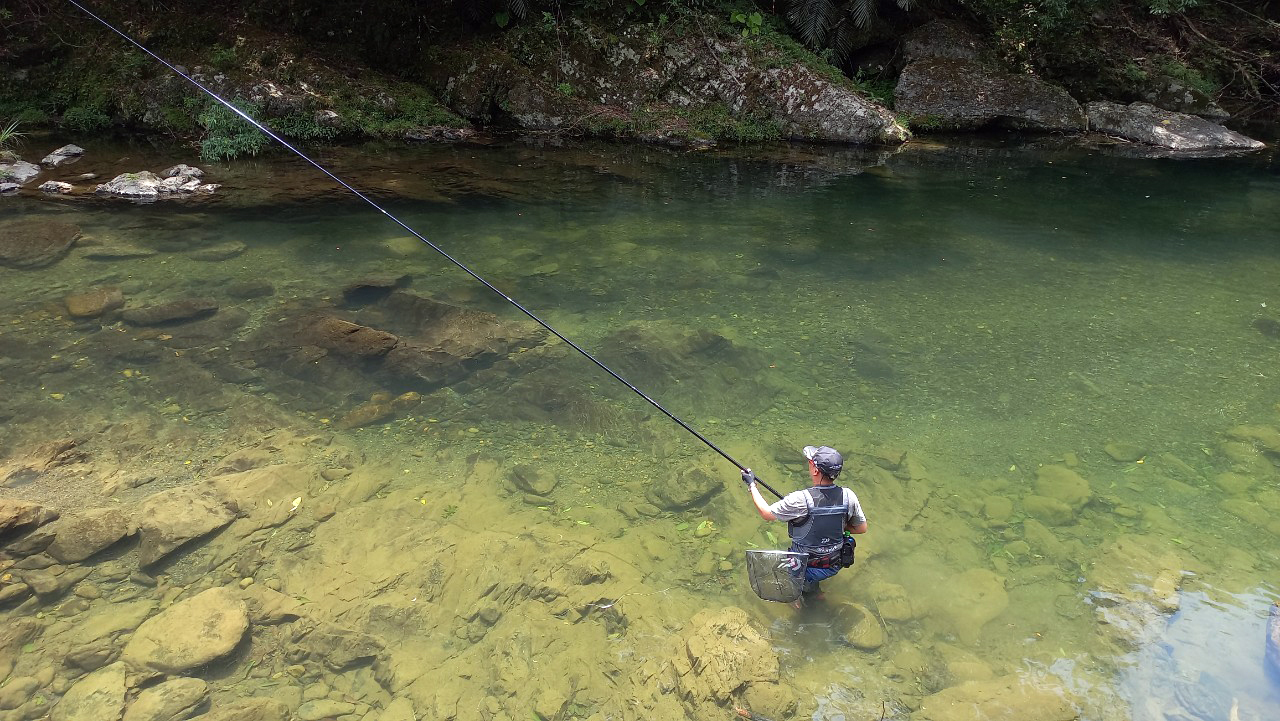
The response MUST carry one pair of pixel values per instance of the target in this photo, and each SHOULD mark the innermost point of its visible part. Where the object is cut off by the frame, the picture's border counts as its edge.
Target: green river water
(955, 318)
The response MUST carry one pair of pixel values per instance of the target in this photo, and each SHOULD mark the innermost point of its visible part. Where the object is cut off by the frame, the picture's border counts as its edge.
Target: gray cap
(827, 459)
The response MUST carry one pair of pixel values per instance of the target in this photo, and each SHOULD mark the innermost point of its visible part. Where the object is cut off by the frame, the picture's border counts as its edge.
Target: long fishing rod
(268, 132)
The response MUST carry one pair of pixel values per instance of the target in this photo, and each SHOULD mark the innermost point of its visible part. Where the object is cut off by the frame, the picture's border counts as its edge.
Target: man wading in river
(818, 517)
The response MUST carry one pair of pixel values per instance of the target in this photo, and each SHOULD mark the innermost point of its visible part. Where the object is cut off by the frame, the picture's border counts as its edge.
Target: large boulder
(949, 83)
(968, 600)
(179, 180)
(168, 519)
(33, 243)
(1145, 123)
(94, 302)
(626, 75)
(190, 633)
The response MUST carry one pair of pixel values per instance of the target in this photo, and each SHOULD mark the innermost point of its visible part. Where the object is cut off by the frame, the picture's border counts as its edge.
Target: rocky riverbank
(689, 82)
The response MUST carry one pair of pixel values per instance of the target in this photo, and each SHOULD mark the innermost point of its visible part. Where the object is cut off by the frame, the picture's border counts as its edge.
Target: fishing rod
(269, 133)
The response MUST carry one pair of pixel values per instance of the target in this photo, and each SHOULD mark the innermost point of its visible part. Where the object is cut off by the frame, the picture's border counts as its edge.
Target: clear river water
(1054, 373)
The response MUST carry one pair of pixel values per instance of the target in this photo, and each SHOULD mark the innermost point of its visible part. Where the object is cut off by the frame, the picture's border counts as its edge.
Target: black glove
(748, 477)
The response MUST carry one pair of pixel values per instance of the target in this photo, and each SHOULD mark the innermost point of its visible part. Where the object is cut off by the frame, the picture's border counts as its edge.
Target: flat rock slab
(96, 697)
(250, 709)
(34, 243)
(168, 519)
(117, 252)
(189, 633)
(1146, 123)
(221, 251)
(176, 312)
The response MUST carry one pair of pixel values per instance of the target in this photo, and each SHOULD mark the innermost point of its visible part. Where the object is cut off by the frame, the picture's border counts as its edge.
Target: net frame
(777, 575)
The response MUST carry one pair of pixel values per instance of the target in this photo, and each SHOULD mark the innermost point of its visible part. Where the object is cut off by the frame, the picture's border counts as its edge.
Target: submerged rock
(22, 516)
(691, 487)
(221, 251)
(1008, 697)
(189, 633)
(168, 701)
(96, 697)
(1146, 123)
(533, 480)
(33, 243)
(720, 654)
(79, 536)
(168, 519)
(93, 303)
(175, 312)
(56, 187)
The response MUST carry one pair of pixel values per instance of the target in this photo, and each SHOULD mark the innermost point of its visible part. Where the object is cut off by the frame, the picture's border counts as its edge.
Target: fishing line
(269, 133)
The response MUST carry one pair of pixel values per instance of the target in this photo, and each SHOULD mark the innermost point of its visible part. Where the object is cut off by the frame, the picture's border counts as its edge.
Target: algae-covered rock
(168, 519)
(1049, 510)
(1125, 452)
(35, 243)
(171, 700)
(691, 487)
(968, 600)
(720, 653)
(79, 536)
(1008, 698)
(96, 697)
(1063, 484)
(860, 627)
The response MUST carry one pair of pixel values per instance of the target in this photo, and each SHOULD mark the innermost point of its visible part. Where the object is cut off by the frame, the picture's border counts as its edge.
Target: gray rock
(189, 633)
(1146, 123)
(95, 302)
(169, 701)
(6, 188)
(77, 537)
(96, 697)
(56, 187)
(138, 186)
(181, 170)
(62, 155)
(807, 106)
(950, 83)
(22, 516)
(168, 519)
(32, 243)
(19, 171)
(174, 312)
(1173, 94)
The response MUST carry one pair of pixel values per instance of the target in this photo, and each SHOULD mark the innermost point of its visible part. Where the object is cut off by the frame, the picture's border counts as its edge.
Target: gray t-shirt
(796, 505)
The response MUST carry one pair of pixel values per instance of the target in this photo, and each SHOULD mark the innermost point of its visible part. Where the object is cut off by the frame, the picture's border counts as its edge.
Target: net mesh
(776, 575)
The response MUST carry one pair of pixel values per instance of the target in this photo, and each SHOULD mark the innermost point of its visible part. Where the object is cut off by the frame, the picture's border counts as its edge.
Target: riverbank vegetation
(386, 69)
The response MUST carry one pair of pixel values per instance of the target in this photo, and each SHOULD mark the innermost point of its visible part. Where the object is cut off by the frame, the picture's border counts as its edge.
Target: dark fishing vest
(820, 533)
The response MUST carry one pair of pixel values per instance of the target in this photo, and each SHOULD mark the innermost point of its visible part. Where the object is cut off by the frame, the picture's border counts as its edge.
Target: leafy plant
(565, 89)
(86, 118)
(834, 23)
(751, 22)
(227, 135)
(10, 135)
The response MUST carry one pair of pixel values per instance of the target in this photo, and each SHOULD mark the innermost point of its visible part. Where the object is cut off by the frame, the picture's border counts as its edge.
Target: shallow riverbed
(1053, 373)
